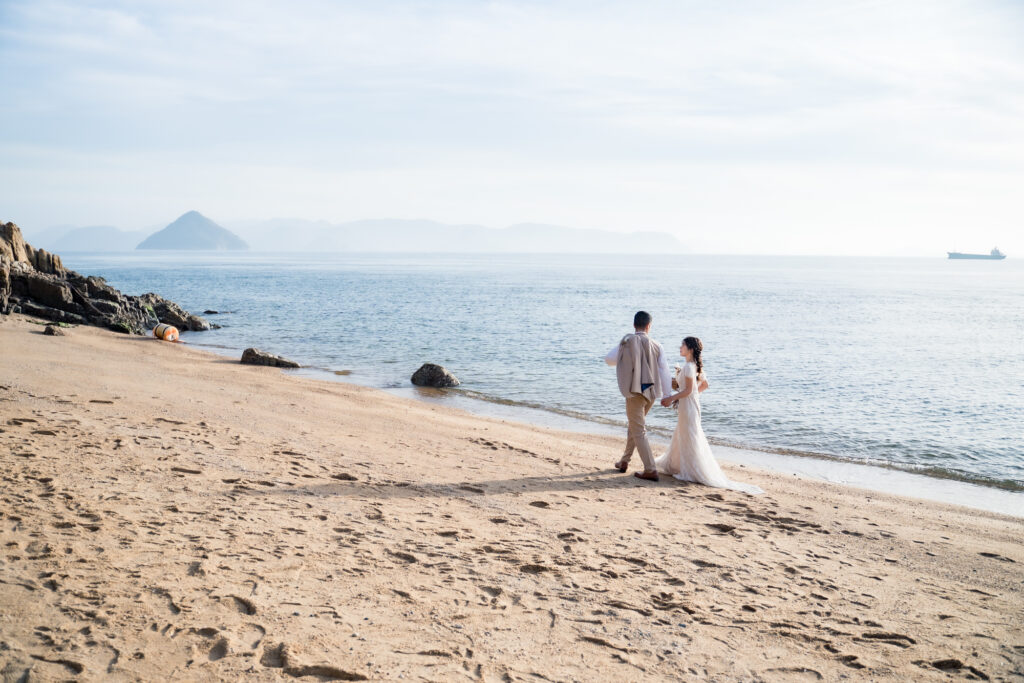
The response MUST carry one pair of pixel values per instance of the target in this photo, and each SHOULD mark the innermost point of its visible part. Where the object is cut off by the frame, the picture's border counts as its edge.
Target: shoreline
(876, 477)
(913, 431)
(166, 512)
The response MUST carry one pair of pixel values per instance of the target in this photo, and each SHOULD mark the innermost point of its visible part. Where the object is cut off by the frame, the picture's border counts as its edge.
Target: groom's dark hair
(641, 320)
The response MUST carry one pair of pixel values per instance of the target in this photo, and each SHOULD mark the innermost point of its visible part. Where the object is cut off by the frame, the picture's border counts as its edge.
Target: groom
(643, 378)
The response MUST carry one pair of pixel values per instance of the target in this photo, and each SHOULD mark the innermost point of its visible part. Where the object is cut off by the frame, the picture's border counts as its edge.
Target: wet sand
(168, 513)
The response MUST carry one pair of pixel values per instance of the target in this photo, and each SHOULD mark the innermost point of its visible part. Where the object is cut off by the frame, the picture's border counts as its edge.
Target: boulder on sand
(431, 375)
(257, 357)
(54, 331)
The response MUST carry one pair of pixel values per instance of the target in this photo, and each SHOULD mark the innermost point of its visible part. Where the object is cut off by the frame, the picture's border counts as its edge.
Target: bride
(689, 455)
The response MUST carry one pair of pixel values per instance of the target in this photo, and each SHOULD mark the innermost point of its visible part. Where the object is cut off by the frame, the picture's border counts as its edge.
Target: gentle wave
(930, 471)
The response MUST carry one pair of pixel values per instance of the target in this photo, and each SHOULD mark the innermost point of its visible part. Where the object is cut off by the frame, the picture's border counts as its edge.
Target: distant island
(193, 230)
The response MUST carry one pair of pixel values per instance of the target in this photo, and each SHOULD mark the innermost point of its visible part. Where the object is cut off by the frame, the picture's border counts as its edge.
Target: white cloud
(759, 126)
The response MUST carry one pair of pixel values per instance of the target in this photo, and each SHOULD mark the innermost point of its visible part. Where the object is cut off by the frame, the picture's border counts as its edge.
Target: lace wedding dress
(689, 456)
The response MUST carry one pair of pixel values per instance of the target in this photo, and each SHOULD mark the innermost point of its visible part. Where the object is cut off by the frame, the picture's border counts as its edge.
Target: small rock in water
(209, 312)
(431, 375)
(257, 357)
(54, 331)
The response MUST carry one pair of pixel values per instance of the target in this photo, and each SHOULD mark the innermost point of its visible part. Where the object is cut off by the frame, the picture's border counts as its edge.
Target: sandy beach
(166, 513)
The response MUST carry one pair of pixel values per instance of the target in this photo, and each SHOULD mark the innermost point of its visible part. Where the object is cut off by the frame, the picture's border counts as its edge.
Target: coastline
(873, 477)
(914, 427)
(168, 512)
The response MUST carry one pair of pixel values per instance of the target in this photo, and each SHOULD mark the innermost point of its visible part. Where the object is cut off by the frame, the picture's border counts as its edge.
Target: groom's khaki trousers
(637, 407)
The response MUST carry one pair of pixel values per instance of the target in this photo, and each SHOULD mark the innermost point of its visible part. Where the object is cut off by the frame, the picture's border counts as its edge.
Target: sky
(781, 127)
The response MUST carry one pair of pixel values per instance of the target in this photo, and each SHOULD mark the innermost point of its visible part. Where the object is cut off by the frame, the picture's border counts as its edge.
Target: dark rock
(54, 331)
(35, 282)
(211, 312)
(107, 307)
(49, 291)
(5, 284)
(121, 325)
(257, 357)
(172, 314)
(430, 375)
(97, 288)
(197, 324)
(29, 307)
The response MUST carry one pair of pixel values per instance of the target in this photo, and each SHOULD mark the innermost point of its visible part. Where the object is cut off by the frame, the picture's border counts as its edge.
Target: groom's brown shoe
(649, 476)
(621, 466)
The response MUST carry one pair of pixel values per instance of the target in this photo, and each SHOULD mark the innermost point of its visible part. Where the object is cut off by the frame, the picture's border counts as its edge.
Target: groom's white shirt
(666, 377)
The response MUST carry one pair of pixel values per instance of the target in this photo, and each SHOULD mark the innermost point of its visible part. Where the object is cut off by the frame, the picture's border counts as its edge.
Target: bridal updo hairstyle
(696, 347)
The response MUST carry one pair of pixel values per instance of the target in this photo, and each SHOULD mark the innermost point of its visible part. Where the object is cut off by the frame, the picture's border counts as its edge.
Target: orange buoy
(166, 332)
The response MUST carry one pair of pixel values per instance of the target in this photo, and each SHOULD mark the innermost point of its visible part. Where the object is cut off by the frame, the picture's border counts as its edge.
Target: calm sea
(916, 364)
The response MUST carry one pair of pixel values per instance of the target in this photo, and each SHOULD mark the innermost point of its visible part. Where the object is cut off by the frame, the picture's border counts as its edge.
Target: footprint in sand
(897, 639)
(252, 635)
(243, 605)
(219, 650)
(993, 556)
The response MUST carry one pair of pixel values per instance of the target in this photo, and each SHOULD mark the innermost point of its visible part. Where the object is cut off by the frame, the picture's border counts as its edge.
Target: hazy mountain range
(195, 231)
(88, 238)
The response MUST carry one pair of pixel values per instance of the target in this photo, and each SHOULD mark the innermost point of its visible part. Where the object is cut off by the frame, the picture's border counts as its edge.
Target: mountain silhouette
(193, 230)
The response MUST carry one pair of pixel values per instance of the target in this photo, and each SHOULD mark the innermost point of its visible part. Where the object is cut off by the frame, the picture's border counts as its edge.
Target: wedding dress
(689, 456)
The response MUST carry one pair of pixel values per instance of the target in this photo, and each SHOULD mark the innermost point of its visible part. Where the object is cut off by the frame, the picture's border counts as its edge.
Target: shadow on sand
(584, 482)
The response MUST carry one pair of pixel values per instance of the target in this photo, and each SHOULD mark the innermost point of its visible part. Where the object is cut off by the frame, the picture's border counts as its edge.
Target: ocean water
(913, 364)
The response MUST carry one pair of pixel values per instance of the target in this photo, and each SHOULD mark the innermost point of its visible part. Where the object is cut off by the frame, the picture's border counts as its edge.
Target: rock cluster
(431, 375)
(35, 282)
(257, 357)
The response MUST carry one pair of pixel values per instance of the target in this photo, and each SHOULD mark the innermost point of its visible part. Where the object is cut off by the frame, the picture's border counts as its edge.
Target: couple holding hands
(643, 376)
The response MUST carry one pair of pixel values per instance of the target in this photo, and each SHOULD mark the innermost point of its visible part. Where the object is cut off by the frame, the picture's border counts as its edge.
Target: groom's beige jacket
(637, 366)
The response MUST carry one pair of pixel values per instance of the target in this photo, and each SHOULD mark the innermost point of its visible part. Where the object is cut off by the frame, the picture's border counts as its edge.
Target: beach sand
(166, 513)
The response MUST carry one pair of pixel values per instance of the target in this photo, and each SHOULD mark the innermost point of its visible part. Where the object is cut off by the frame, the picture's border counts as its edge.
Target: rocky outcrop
(172, 314)
(14, 247)
(257, 357)
(35, 282)
(430, 375)
(5, 283)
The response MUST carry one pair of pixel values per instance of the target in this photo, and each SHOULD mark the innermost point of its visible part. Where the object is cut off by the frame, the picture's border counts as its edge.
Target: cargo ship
(994, 255)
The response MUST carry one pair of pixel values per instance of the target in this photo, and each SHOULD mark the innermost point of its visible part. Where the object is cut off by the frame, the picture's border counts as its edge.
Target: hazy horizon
(260, 240)
(790, 128)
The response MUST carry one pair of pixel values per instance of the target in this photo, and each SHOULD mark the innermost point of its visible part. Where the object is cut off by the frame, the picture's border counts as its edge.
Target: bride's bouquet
(677, 384)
